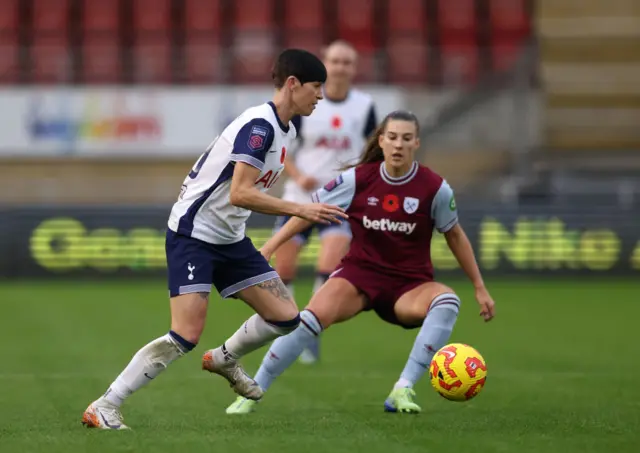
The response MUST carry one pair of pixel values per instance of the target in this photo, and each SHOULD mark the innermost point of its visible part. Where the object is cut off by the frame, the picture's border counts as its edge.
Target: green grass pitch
(563, 376)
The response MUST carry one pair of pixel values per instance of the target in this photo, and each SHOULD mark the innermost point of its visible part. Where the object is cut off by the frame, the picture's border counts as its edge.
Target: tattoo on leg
(277, 288)
(204, 296)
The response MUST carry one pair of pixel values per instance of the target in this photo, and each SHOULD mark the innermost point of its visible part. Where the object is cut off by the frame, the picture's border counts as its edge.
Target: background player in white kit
(206, 243)
(334, 136)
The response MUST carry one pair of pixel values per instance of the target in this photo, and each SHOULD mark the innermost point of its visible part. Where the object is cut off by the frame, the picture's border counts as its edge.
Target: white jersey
(203, 211)
(331, 138)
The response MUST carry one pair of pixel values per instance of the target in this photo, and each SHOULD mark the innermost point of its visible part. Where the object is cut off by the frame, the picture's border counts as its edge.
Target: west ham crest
(410, 205)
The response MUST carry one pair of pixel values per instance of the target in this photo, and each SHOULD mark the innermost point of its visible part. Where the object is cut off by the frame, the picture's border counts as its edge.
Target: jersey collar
(401, 179)
(285, 128)
(336, 101)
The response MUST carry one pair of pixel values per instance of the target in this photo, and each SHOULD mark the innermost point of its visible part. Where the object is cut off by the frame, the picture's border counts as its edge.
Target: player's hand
(307, 183)
(487, 305)
(322, 213)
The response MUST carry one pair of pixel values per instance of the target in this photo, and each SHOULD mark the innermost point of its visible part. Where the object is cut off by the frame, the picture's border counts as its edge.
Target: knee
(184, 344)
(190, 332)
(285, 311)
(287, 326)
(448, 300)
(444, 297)
(188, 314)
(311, 322)
(318, 315)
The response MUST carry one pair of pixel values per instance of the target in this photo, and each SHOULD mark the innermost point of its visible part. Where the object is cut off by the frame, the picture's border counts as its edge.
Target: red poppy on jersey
(336, 122)
(283, 155)
(390, 203)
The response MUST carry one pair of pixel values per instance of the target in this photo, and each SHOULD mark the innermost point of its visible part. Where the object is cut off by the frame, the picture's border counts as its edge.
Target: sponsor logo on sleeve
(333, 183)
(257, 138)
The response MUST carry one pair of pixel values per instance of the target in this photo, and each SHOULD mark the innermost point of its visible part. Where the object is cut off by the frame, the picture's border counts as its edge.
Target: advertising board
(133, 122)
(117, 242)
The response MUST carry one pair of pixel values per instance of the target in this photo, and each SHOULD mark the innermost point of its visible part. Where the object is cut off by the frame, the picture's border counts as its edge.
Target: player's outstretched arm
(445, 214)
(244, 194)
(463, 251)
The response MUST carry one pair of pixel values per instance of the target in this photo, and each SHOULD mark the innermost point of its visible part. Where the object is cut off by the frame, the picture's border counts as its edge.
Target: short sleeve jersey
(333, 137)
(392, 219)
(203, 210)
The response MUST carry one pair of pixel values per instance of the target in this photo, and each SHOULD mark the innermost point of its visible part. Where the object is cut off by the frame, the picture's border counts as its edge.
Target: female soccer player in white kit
(206, 244)
(334, 136)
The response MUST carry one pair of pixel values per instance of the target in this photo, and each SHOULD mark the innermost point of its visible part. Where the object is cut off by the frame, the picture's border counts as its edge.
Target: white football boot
(102, 415)
(232, 371)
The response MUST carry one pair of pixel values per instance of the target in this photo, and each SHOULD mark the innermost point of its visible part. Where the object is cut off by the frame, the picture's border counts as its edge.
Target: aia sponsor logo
(268, 179)
(335, 143)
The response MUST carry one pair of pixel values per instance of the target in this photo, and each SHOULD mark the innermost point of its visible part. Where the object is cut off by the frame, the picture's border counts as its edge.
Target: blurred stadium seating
(234, 41)
(424, 47)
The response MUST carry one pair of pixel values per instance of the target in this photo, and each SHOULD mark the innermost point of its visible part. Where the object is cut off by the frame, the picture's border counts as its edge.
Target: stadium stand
(410, 42)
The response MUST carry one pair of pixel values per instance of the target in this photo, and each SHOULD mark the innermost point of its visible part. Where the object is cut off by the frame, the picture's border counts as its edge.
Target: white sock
(285, 350)
(403, 383)
(433, 335)
(253, 334)
(145, 365)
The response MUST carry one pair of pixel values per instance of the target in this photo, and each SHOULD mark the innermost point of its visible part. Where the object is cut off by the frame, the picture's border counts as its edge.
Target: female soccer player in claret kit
(328, 140)
(206, 244)
(393, 204)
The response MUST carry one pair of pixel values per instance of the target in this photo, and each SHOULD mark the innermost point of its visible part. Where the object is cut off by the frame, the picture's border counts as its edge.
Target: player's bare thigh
(412, 307)
(336, 301)
(332, 248)
(286, 259)
(188, 315)
(271, 300)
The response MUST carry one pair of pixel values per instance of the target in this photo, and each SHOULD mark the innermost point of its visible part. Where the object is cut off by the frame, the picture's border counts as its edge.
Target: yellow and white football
(458, 372)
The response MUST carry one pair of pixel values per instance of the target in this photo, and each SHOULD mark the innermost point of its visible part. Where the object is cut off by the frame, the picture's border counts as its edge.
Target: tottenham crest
(411, 205)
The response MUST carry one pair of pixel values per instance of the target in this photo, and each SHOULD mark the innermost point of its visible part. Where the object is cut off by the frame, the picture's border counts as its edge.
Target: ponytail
(372, 151)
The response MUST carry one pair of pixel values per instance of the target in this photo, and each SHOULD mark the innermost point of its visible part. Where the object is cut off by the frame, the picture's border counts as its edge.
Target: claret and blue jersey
(392, 219)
